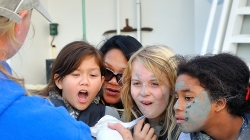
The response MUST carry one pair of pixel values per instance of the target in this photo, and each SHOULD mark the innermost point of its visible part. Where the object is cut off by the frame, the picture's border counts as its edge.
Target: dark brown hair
(69, 59)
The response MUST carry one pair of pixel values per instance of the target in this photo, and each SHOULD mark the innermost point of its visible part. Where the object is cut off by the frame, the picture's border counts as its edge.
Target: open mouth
(146, 103)
(82, 96)
(112, 91)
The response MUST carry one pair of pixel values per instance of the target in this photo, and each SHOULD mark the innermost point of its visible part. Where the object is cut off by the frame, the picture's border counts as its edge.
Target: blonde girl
(148, 88)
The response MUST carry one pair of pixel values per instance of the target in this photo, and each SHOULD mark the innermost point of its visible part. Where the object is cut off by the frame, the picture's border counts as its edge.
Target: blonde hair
(7, 30)
(159, 60)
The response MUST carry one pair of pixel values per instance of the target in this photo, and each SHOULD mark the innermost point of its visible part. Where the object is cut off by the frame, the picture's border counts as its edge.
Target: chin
(82, 107)
(111, 100)
(187, 129)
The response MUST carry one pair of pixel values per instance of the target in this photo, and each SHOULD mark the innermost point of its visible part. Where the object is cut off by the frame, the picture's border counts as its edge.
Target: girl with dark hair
(117, 51)
(213, 98)
(76, 78)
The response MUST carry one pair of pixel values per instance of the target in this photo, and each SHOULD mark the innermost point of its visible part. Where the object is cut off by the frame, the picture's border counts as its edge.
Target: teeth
(83, 91)
(146, 103)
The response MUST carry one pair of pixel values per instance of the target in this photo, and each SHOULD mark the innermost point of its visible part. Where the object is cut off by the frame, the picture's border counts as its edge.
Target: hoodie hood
(9, 91)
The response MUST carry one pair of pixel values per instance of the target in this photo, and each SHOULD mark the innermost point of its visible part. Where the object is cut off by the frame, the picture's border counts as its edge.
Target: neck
(3, 55)
(222, 129)
(3, 52)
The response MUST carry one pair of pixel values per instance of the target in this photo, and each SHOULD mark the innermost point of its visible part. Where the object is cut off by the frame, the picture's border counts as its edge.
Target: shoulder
(112, 111)
(44, 118)
(184, 136)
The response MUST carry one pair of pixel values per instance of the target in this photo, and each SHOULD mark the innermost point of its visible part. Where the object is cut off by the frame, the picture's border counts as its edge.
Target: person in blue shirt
(23, 116)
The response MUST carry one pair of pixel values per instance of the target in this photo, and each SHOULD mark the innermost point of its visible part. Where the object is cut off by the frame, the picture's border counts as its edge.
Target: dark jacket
(90, 115)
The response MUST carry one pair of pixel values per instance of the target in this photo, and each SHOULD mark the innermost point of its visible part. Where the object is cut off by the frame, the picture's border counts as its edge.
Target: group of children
(199, 97)
(183, 98)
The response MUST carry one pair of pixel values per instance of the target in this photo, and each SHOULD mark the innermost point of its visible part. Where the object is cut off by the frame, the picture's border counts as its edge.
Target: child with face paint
(76, 78)
(148, 88)
(212, 94)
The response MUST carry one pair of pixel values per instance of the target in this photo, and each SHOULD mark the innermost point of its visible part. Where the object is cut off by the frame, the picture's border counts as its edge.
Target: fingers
(125, 133)
(143, 132)
(138, 126)
(150, 134)
(154, 137)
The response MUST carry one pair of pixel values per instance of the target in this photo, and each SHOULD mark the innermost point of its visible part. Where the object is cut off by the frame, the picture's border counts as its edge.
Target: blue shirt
(32, 117)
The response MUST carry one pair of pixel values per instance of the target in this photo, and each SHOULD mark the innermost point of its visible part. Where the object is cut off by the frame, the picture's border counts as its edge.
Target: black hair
(223, 76)
(127, 44)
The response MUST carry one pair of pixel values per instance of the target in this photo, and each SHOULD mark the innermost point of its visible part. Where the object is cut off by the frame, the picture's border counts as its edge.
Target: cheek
(23, 32)
(163, 95)
(198, 110)
(134, 92)
(105, 83)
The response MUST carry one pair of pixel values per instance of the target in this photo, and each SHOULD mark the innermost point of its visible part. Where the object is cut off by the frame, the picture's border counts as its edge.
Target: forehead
(89, 62)
(139, 70)
(115, 58)
(186, 82)
(188, 79)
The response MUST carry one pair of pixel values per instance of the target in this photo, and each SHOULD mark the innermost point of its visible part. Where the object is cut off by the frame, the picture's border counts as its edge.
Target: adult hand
(145, 133)
(125, 133)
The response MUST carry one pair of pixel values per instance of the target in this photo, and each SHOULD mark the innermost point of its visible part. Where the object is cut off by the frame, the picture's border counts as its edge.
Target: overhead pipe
(118, 31)
(138, 5)
(209, 27)
(222, 27)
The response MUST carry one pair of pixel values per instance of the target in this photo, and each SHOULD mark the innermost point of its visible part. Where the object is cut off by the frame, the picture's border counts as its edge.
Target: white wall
(29, 63)
(172, 21)
(179, 24)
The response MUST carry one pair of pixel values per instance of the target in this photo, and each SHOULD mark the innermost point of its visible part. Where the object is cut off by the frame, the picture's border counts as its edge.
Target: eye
(93, 75)
(136, 83)
(75, 74)
(188, 98)
(155, 84)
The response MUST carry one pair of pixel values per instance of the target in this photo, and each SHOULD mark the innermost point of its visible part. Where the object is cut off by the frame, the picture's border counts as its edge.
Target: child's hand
(145, 133)
(125, 133)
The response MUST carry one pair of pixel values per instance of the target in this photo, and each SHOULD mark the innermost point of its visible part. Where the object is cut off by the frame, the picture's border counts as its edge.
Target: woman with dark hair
(117, 51)
(213, 94)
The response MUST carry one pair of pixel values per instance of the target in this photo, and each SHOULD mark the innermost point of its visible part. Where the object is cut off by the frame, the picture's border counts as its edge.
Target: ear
(18, 26)
(103, 78)
(57, 81)
(220, 104)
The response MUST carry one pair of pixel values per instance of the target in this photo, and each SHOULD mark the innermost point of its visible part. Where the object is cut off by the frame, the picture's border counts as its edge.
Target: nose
(178, 105)
(84, 80)
(144, 91)
(113, 81)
